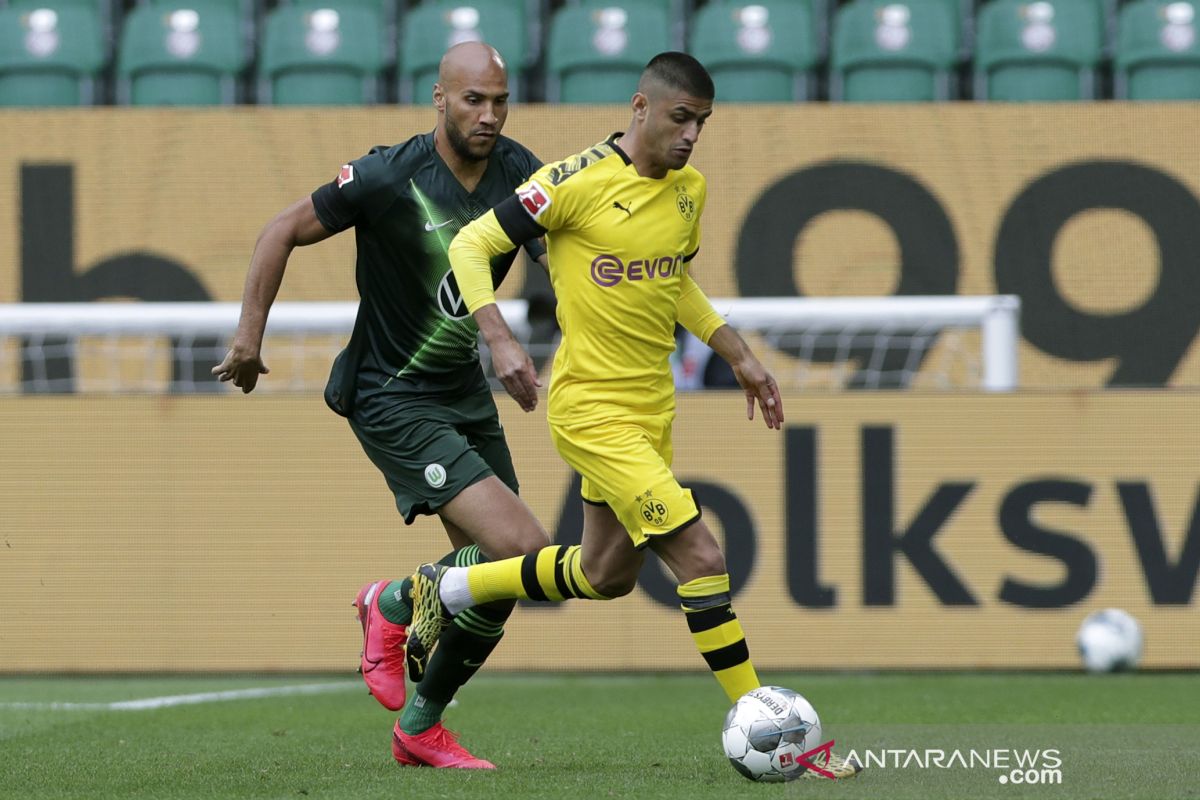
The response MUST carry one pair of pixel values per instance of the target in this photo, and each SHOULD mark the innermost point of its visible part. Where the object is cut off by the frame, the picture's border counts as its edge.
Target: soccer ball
(1109, 640)
(767, 731)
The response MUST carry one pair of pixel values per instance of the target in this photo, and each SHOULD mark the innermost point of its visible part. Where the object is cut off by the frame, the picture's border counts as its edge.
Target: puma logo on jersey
(623, 208)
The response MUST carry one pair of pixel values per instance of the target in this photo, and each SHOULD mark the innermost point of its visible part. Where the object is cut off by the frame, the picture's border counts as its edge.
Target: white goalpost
(935, 343)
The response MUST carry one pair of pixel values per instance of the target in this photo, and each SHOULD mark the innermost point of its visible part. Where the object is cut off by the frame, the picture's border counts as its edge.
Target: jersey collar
(612, 142)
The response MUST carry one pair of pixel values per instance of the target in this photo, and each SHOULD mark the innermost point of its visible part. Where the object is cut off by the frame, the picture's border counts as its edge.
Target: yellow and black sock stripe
(718, 635)
(555, 574)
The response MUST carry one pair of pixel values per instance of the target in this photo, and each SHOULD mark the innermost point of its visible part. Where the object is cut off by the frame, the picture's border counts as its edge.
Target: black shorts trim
(597, 503)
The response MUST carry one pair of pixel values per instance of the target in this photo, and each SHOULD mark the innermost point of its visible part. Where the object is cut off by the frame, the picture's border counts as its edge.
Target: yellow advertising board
(887, 530)
(1088, 212)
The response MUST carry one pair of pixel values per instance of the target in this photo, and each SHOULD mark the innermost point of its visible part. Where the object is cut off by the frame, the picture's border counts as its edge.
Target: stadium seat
(595, 54)
(49, 56)
(179, 56)
(678, 13)
(886, 51)
(1157, 56)
(432, 27)
(757, 52)
(321, 56)
(386, 12)
(103, 9)
(1046, 50)
(246, 12)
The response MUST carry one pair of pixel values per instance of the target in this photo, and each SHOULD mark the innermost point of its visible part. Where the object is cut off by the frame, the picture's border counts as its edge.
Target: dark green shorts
(430, 449)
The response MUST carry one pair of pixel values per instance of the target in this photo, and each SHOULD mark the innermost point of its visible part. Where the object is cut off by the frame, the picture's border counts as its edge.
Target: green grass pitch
(591, 737)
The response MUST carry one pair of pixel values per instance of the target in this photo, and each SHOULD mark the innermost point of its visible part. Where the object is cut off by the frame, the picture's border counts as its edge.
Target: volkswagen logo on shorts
(449, 299)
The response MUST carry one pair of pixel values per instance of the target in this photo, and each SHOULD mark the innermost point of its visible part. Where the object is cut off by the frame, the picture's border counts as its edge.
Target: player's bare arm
(756, 382)
(470, 255)
(510, 362)
(295, 226)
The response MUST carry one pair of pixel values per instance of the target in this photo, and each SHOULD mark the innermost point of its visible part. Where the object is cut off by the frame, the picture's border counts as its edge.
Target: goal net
(835, 344)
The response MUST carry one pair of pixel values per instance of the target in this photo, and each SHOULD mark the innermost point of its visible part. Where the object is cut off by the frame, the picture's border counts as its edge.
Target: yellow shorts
(626, 465)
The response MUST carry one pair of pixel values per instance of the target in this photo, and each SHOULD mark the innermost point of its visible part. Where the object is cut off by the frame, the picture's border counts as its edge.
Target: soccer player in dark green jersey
(409, 381)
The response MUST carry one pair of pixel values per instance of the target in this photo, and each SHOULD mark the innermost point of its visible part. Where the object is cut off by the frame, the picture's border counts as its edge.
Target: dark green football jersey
(413, 334)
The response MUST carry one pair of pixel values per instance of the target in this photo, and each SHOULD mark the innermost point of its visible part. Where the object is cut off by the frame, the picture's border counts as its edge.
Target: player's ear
(439, 97)
(640, 104)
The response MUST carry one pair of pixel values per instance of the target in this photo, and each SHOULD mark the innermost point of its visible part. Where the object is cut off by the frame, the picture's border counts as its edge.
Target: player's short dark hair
(681, 72)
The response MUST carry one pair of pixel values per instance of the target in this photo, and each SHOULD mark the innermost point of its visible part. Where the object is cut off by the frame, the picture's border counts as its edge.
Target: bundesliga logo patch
(346, 175)
(534, 198)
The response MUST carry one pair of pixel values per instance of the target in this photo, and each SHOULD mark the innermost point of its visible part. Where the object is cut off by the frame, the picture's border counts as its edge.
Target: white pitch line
(151, 703)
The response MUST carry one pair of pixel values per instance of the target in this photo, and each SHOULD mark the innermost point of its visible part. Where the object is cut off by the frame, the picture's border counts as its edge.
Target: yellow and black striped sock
(554, 573)
(718, 634)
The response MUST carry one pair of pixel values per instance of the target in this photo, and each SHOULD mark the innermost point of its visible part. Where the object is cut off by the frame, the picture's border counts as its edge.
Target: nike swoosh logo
(469, 663)
(430, 227)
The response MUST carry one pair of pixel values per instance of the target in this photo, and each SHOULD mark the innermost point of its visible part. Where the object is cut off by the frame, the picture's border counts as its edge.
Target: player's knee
(615, 586)
(521, 540)
(710, 561)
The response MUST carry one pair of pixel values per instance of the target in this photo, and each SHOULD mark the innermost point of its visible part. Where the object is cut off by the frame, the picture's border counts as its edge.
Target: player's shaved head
(471, 96)
(471, 62)
(676, 72)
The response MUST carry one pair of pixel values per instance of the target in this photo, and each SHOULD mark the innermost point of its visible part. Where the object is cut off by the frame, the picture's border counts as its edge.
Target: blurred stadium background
(350, 52)
(927, 524)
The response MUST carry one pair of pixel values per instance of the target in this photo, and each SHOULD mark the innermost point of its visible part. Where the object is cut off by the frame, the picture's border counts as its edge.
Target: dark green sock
(463, 647)
(420, 714)
(396, 599)
(395, 602)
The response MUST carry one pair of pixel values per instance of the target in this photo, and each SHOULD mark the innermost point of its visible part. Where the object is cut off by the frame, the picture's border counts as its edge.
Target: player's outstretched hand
(514, 368)
(760, 387)
(241, 366)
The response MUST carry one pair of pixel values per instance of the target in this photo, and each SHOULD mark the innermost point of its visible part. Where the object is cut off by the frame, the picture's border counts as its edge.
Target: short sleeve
(358, 193)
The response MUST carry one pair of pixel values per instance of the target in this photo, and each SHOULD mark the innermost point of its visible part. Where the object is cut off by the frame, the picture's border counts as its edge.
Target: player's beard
(462, 144)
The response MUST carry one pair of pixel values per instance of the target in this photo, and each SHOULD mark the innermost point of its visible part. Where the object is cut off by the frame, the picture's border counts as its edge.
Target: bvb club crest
(685, 203)
(653, 510)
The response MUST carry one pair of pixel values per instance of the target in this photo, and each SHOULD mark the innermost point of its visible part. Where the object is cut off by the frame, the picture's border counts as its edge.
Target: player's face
(673, 124)
(475, 114)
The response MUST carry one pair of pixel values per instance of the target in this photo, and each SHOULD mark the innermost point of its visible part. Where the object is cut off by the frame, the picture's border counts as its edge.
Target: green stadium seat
(321, 56)
(246, 12)
(385, 11)
(1157, 56)
(432, 27)
(103, 9)
(595, 54)
(894, 52)
(49, 56)
(678, 13)
(761, 51)
(180, 56)
(1042, 51)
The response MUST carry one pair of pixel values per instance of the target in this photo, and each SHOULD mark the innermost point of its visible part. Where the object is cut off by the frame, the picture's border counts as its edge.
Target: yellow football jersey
(619, 248)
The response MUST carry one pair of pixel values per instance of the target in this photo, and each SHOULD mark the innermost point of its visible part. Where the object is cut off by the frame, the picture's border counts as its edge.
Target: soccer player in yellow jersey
(622, 224)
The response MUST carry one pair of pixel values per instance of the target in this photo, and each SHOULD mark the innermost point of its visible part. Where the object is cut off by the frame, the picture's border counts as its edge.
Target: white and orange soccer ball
(767, 733)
